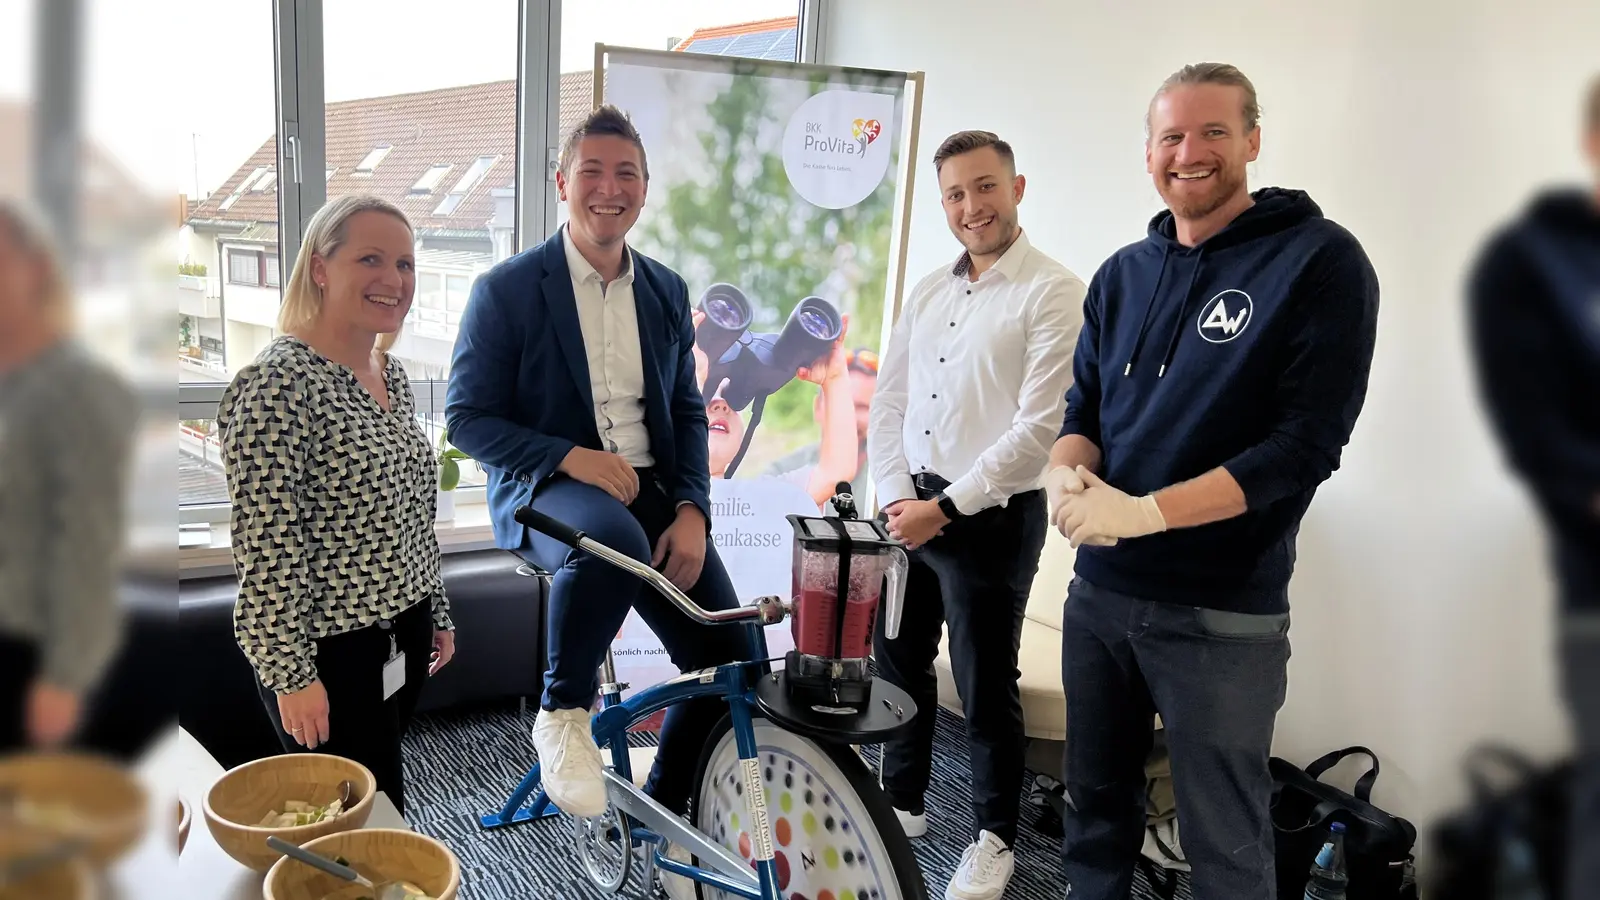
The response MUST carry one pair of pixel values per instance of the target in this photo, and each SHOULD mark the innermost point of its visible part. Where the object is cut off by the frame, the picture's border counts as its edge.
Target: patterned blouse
(333, 507)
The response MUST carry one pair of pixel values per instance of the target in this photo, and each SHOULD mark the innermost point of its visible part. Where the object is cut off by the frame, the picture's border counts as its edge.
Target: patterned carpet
(460, 766)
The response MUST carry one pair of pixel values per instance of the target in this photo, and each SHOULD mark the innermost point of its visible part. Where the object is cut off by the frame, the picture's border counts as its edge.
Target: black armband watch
(948, 506)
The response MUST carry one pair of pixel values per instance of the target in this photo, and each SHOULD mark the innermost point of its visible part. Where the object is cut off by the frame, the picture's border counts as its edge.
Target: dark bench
(500, 653)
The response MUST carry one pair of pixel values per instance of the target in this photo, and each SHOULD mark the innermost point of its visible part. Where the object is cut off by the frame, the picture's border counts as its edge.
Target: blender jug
(843, 569)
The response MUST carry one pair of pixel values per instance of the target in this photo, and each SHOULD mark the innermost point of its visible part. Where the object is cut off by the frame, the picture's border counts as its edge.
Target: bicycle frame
(655, 825)
(736, 683)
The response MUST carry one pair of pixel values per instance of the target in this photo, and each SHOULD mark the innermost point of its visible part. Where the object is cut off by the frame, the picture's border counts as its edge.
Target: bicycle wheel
(834, 833)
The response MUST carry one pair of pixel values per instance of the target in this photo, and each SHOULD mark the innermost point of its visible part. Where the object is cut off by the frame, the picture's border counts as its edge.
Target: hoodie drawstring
(1183, 307)
(1144, 324)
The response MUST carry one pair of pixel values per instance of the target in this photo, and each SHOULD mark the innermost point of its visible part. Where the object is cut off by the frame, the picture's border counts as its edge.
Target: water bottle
(1328, 877)
(1517, 875)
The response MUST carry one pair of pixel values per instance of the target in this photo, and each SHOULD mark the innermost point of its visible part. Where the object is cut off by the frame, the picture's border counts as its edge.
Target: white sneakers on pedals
(985, 870)
(915, 824)
(676, 886)
(569, 762)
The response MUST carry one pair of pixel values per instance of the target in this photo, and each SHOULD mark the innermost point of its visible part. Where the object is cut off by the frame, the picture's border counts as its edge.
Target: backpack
(1530, 812)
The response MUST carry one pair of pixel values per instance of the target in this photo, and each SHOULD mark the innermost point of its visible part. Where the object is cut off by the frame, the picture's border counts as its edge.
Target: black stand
(886, 715)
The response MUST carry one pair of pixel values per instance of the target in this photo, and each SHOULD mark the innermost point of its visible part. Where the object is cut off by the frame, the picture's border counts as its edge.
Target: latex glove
(1101, 509)
(1062, 481)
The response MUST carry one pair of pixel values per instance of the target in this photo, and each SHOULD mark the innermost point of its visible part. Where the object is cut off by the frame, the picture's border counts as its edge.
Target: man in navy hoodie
(1221, 366)
(1534, 307)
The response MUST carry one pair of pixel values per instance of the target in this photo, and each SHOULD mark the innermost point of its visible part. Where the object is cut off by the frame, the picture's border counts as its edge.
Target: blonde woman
(67, 428)
(341, 610)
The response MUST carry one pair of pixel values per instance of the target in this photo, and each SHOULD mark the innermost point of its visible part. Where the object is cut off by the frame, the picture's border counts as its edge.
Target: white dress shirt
(610, 325)
(973, 386)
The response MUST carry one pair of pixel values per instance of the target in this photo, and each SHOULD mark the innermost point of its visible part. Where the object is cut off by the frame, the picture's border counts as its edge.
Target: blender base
(889, 713)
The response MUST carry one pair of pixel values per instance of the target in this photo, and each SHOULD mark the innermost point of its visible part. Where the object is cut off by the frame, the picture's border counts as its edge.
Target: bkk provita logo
(862, 133)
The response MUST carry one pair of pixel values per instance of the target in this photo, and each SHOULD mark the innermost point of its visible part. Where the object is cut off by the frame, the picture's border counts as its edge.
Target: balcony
(200, 296)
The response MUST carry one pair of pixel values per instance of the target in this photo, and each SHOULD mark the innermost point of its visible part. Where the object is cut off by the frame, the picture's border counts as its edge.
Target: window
(244, 267)
(457, 289)
(200, 476)
(430, 290)
(430, 179)
(370, 161)
(464, 186)
(227, 157)
(441, 128)
(255, 268)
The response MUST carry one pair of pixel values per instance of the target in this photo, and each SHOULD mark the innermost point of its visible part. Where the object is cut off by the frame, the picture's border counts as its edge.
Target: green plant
(449, 463)
(192, 268)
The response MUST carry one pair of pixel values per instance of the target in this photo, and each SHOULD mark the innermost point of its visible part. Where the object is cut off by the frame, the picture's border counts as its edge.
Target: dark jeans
(590, 598)
(976, 576)
(1218, 680)
(1581, 670)
(362, 726)
(19, 663)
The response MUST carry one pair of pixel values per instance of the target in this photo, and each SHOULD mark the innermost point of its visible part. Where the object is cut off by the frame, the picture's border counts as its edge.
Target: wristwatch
(947, 506)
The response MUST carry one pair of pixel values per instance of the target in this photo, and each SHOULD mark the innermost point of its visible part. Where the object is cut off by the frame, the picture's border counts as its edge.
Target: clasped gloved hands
(1086, 510)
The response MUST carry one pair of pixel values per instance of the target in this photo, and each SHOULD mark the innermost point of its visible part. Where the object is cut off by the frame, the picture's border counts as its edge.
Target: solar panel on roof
(751, 44)
(710, 45)
(784, 49)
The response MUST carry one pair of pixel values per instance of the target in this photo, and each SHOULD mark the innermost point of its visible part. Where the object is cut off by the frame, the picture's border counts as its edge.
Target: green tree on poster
(744, 223)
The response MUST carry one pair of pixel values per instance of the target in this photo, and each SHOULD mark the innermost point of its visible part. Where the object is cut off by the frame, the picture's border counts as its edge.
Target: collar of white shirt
(582, 271)
(1009, 264)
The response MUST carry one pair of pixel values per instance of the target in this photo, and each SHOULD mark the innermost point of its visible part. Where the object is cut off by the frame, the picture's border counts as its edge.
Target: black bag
(1468, 846)
(1377, 846)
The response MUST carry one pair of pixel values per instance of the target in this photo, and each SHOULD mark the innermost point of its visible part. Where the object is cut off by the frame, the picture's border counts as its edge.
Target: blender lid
(822, 533)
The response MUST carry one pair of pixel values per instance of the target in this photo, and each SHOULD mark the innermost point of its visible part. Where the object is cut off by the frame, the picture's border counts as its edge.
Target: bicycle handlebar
(766, 610)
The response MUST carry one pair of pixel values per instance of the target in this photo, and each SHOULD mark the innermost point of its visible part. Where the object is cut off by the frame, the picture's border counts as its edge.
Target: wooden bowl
(378, 853)
(184, 816)
(72, 880)
(76, 795)
(244, 795)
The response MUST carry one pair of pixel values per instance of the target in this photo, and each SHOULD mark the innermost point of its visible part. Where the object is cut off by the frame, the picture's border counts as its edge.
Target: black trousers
(19, 663)
(362, 726)
(976, 576)
(590, 598)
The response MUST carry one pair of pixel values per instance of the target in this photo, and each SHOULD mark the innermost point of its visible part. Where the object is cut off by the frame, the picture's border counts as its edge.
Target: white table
(180, 766)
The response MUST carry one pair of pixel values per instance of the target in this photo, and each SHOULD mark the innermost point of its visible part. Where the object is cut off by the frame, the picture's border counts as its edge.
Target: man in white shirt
(969, 398)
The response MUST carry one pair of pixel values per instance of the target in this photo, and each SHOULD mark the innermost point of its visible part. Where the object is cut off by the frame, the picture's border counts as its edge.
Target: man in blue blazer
(573, 383)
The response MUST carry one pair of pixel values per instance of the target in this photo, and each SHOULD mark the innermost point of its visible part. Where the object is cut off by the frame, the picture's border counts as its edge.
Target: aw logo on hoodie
(1226, 316)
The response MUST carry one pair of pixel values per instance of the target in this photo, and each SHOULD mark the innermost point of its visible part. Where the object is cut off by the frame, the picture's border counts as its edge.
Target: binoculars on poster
(757, 364)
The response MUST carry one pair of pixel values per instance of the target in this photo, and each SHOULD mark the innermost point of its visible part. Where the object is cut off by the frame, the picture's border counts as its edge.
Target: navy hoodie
(1250, 351)
(1534, 309)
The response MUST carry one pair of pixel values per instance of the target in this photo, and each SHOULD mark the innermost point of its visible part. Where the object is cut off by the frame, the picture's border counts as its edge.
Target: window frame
(298, 40)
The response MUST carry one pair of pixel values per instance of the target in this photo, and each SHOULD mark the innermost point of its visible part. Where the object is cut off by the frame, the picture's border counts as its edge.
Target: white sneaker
(569, 762)
(985, 870)
(915, 825)
(676, 886)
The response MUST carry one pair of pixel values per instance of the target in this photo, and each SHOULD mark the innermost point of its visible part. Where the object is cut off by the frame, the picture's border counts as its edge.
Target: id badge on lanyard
(394, 671)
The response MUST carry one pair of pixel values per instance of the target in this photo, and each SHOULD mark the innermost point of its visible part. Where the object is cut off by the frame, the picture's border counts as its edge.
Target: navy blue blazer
(519, 397)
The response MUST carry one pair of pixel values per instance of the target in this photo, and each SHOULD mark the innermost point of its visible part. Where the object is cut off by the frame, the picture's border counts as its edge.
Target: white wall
(1420, 604)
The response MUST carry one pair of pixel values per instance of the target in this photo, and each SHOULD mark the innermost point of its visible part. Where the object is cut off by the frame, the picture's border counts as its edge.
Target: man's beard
(1005, 236)
(1226, 183)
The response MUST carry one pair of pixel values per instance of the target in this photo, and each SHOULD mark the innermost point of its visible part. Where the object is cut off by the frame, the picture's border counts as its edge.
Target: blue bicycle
(783, 808)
